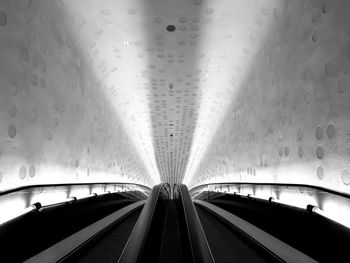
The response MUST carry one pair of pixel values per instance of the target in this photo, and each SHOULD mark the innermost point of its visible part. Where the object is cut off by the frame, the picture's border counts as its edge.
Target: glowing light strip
(338, 218)
(56, 202)
(20, 213)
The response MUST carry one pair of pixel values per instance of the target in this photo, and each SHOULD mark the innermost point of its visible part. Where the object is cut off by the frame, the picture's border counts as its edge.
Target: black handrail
(319, 188)
(17, 189)
(133, 250)
(199, 245)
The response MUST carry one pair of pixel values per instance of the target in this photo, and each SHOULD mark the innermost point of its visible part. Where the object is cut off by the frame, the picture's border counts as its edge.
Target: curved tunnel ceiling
(192, 91)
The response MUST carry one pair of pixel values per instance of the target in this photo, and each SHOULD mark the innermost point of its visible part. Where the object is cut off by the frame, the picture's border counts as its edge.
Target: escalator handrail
(199, 245)
(134, 246)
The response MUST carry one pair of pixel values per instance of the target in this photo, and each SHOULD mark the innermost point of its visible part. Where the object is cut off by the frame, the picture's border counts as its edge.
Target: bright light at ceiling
(229, 48)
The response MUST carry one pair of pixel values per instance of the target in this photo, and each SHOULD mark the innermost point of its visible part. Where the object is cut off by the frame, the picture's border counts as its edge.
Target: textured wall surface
(290, 120)
(56, 124)
(235, 90)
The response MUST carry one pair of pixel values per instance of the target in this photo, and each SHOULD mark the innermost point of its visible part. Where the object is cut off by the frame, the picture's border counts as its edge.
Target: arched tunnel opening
(174, 130)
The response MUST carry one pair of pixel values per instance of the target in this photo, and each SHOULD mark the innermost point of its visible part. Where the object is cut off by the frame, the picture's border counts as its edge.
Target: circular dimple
(210, 10)
(319, 152)
(315, 34)
(343, 84)
(329, 69)
(32, 171)
(25, 54)
(131, 11)
(42, 83)
(170, 28)
(208, 20)
(300, 151)
(286, 150)
(345, 176)
(158, 20)
(320, 173)
(299, 135)
(182, 28)
(22, 172)
(326, 6)
(182, 20)
(264, 10)
(34, 79)
(49, 135)
(331, 131)
(195, 19)
(11, 131)
(181, 42)
(194, 28)
(276, 13)
(12, 111)
(3, 18)
(307, 97)
(319, 133)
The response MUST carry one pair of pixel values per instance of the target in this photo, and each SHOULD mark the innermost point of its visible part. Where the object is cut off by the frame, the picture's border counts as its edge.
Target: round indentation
(345, 176)
(32, 171)
(300, 151)
(3, 18)
(343, 84)
(326, 6)
(181, 42)
(264, 10)
(319, 152)
(210, 10)
(34, 79)
(319, 133)
(24, 54)
(315, 34)
(182, 28)
(158, 20)
(12, 111)
(42, 83)
(331, 131)
(170, 28)
(49, 135)
(286, 150)
(22, 172)
(183, 20)
(307, 97)
(131, 11)
(320, 173)
(11, 131)
(329, 69)
(195, 19)
(299, 135)
(276, 13)
(194, 28)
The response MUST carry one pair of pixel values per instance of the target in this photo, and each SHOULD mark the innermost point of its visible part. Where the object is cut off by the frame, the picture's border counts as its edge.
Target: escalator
(168, 227)
(172, 230)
